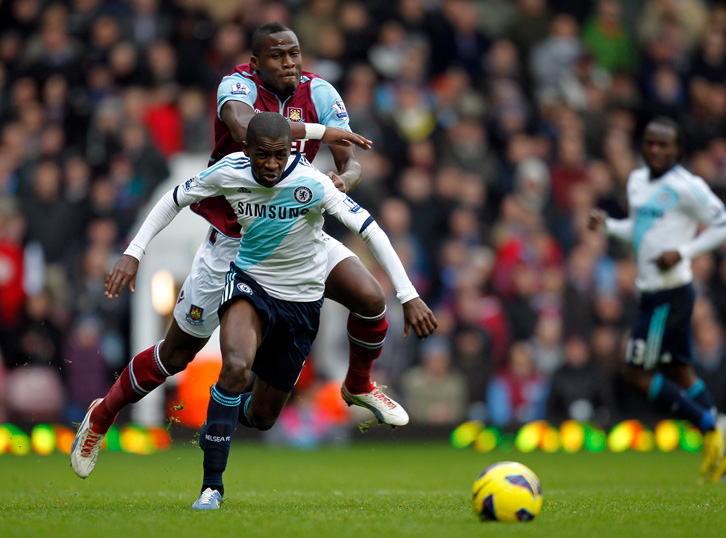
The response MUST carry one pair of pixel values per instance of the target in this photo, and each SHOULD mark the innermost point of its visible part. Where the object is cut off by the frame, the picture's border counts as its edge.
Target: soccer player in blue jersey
(667, 205)
(269, 310)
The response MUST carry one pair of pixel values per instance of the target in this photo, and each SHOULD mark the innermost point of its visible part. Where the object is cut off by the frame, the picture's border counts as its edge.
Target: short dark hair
(666, 121)
(262, 32)
(268, 125)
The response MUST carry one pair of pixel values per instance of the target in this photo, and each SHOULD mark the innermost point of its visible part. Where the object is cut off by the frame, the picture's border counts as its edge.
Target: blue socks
(700, 394)
(244, 404)
(668, 395)
(222, 414)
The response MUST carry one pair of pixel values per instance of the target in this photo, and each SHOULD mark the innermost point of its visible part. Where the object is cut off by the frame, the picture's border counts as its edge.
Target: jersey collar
(291, 166)
(651, 178)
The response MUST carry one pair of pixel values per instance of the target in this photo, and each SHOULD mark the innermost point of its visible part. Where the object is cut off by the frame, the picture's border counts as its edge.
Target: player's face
(279, 65)
(268, 157)
(660, 148)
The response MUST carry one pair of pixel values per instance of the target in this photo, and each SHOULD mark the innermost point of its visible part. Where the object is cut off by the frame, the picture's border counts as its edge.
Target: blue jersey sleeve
(328, 104)
(235, 87)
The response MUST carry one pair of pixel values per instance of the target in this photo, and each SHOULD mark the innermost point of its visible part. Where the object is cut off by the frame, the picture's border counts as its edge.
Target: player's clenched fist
(123, 273)
(420, 317)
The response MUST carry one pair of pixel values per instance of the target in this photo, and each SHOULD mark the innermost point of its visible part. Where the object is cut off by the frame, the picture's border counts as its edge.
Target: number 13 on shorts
(645, 354)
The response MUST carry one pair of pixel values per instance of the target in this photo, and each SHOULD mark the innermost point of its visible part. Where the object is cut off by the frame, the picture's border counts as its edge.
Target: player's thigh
(349, 283)
(196, 310)
(662, 332)
(240, 334)
(179, 348)
(247, 315)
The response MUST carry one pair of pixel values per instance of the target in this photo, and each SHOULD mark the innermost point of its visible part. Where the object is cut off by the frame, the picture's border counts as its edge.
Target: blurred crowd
(497, 125)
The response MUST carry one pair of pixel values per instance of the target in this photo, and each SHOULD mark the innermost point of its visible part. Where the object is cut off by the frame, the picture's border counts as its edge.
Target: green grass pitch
(366, 489)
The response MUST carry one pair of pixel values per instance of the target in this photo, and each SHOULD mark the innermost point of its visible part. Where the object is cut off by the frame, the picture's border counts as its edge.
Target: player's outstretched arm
(237, 115)
(358, 220)
(124, 270)
(122, 274)
(335, 136)
(599, 221)
(420, 317)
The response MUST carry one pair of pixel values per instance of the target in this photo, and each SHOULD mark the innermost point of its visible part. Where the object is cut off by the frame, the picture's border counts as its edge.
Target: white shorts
(196, 308)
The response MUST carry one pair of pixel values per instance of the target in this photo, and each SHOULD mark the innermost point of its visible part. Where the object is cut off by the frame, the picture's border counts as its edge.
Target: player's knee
(263, 421)
(235, 371)
(638, 379)
(175, 360)
(370, 300)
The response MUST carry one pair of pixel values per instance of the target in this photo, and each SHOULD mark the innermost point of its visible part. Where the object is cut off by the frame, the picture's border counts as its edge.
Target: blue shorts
(289, 329)
(662, 332)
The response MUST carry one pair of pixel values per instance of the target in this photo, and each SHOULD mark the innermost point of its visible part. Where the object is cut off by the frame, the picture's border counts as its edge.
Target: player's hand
(123, 273)
(334, 136)
(668, 259)
(596, 220)
(338, 182)
(420, 317)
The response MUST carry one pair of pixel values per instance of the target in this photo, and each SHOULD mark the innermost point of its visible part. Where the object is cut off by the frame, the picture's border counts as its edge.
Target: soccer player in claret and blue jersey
(273, 81)
(667, 205)
(270, 308)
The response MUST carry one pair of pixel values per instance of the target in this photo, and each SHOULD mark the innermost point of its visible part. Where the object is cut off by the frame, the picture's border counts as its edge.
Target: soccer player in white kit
(269, 311)
(667, 205)
(273, 81)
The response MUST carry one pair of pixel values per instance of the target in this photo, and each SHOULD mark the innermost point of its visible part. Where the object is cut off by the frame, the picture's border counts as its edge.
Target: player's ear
(245, 147)
(253, 63)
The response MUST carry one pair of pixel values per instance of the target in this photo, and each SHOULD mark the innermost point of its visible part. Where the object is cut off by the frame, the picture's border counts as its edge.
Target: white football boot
(386, 410)
(210, 499)
(84, 451)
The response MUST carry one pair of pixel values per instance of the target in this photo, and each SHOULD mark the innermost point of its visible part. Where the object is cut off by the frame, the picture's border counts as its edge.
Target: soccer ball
(507, 491)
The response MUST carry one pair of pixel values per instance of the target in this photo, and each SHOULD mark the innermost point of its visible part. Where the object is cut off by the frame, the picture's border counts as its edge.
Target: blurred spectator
(578, 389)
(459, 42)
(530, 26)
(545, 345)
(434, 392)
(517, 394)
(12, 291)
(195, 119)
(49, 217)
(609, 40)
(86, 372)
(521, 314)
(40, 340)
(556, 56)
(146, 23)
(709, 61)
(473, 358)
(686, 19)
